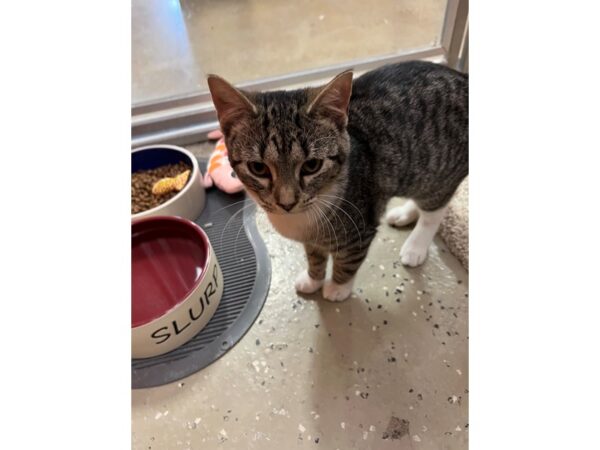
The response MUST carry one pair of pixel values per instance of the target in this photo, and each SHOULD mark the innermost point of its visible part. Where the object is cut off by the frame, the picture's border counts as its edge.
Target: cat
(324, 162)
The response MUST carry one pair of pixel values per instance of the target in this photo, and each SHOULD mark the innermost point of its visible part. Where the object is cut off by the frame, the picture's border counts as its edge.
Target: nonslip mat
(246, 268)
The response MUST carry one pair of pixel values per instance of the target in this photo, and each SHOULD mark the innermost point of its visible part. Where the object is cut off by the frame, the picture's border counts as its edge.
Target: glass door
(267, 44)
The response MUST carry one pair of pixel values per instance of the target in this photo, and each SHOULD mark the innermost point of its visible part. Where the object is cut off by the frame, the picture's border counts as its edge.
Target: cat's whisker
(263, 205)
(326, 223)
(337, 217)
(351, 204)
(320, 226)
(226, 207)
(229, 220)
(238, 234)
(349, 217)
(319, 216)
(337, 245)
(314, 223)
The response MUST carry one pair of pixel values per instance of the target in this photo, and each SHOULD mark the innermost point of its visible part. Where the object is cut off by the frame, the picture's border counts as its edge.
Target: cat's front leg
(311, 280)
(345, 265)
(414, 250)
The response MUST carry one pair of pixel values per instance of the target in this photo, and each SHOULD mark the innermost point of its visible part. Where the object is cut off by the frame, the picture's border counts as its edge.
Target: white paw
(402, 215)
(337, 292)
(413, 254)
(305, 284)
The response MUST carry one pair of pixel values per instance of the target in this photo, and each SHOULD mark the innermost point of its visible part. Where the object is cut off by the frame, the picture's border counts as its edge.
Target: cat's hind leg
(403, 215)
(414, 250)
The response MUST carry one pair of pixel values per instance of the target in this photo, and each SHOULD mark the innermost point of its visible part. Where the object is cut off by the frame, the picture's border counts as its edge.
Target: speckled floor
(387, 369)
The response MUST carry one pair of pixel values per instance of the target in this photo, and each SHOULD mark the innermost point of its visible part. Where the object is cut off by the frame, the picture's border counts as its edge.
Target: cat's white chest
(292, 226)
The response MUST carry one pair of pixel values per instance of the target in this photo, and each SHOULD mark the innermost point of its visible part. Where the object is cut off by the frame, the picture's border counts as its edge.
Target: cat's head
(286, 146)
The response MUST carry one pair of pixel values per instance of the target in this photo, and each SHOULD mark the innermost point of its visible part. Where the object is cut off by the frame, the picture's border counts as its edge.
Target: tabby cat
(324, 162)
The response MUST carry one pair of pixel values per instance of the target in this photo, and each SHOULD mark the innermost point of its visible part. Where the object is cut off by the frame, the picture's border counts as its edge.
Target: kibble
(142, 182)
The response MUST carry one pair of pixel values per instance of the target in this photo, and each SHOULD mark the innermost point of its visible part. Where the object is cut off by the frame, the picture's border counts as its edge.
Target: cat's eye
(311, 166)
(259, 169)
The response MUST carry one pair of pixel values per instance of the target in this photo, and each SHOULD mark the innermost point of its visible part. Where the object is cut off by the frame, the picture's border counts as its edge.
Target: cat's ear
(333, 100)
(231, 104)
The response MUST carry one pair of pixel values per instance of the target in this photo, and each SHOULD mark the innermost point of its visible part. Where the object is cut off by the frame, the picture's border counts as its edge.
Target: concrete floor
(387, 369)
(176, 43)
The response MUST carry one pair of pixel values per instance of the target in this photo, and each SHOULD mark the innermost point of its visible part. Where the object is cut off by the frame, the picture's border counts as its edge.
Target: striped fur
(404, 133)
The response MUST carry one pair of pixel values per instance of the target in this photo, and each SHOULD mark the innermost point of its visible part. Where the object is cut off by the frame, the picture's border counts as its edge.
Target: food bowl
(176, 284)
(189, 202)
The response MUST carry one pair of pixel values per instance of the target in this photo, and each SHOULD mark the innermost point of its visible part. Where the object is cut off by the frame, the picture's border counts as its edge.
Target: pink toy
(218, 170)
(216, 134)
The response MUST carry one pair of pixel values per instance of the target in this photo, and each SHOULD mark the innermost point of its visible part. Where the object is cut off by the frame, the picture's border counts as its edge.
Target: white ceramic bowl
(189, 202)
(177, 284)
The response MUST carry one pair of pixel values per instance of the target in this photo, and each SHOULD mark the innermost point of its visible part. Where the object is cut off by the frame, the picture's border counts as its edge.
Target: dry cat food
(142, 182)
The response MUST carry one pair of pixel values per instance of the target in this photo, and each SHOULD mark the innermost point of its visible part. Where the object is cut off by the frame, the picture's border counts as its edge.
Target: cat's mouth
(281, 211)
(299, 208)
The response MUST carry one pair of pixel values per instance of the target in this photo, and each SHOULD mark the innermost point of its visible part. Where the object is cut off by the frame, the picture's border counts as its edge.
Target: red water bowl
(176, 284)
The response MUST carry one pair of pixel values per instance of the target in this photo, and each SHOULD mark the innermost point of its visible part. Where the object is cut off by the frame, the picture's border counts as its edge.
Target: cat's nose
(288, 206)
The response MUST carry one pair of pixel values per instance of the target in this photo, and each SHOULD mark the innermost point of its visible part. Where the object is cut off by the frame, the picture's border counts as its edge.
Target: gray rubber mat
(246, 268)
